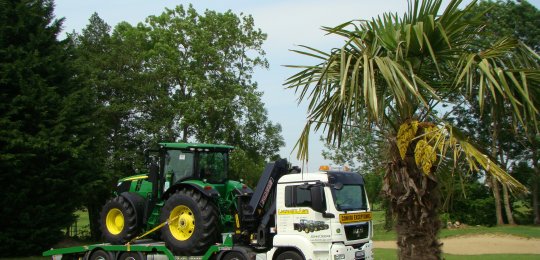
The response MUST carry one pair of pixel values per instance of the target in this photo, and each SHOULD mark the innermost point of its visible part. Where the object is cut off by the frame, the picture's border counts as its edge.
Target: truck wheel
(289, 255)
(132, 256)
(192, 219)
(118, 221)
(234, 256)
(100, 255)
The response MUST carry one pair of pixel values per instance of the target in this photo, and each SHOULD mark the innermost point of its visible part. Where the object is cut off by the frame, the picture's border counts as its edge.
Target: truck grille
(357, 231)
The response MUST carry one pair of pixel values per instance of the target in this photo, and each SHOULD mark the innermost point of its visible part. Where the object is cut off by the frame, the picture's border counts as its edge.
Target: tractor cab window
(178, 164)
(213, 166)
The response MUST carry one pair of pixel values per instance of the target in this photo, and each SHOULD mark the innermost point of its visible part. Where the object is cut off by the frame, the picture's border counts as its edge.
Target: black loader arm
(267, 185)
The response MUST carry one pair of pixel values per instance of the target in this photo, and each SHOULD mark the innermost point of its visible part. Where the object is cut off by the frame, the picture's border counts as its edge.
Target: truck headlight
(339, 257)
(359, 255)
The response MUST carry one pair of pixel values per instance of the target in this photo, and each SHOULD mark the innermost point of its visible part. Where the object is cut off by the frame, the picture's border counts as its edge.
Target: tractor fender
(210, 193)
(137, 202)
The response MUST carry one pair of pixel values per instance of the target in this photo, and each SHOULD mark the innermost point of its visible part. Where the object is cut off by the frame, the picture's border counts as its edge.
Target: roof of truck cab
(301, 177)
(196, 145)
(323, 176)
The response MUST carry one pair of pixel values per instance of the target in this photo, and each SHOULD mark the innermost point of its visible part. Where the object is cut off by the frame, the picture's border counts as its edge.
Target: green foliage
(519, 19)
(178, 76)
(523, 212)
(47, 134)
(476, 208)
(244, 168)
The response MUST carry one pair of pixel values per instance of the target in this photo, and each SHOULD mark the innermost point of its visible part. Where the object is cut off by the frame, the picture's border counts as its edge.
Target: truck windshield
(349, 197)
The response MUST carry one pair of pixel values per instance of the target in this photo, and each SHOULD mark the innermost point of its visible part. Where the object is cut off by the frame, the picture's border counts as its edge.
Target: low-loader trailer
(289, 215)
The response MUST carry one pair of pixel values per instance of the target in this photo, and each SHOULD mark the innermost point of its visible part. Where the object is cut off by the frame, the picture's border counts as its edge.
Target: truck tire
(192, 219)
(290, 255)
(118, 221)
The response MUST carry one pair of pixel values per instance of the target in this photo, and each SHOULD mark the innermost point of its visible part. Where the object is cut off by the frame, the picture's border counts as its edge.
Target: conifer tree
(46, 133)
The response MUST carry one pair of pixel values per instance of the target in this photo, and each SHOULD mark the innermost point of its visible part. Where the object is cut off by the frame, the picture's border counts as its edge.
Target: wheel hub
(114, 221)
(182, 228)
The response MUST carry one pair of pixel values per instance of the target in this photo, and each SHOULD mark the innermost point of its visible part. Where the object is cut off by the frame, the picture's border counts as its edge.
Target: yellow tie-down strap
(151, 230)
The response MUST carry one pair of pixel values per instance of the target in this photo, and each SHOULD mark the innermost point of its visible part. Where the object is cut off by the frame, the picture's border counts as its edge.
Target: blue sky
(287, 23)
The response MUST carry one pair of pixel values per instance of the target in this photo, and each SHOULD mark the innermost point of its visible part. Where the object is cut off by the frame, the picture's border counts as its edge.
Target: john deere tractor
(187, 186)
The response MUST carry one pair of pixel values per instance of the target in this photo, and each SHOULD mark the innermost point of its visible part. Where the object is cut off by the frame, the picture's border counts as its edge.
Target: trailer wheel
(289, 255)
(101, 255)
(192, 219)
(234, 256)
(132, 256)
(118, 221)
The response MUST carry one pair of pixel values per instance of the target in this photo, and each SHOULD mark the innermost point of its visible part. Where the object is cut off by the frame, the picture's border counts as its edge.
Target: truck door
(303, 213)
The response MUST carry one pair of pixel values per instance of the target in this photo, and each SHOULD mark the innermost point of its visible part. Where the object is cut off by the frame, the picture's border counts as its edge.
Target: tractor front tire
(192, 223)
(118, 221)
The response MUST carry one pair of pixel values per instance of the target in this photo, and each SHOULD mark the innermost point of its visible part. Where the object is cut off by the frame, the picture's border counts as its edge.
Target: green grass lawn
(391, 254)
(82, 225)
(523, 231)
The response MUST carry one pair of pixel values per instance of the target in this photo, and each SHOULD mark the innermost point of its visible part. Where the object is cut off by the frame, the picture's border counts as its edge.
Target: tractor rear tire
(193, 222)
(118, 221)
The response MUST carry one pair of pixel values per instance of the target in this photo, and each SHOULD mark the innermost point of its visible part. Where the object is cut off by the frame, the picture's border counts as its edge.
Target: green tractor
(187, 186)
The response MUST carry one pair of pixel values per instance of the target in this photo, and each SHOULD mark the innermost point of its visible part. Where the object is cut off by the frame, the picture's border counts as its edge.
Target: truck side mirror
(318, 202)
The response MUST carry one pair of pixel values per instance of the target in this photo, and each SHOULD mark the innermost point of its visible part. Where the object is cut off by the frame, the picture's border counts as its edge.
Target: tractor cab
(204, 163)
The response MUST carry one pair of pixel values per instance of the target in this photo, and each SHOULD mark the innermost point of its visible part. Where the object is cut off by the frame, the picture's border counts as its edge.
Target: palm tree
(397, 72)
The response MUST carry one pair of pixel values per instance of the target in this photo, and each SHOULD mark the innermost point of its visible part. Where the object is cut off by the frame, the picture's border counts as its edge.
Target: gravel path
(481, 244)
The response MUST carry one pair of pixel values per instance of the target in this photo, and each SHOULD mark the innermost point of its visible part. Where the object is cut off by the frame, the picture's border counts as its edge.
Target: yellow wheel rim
(115, 221)
(182, 223)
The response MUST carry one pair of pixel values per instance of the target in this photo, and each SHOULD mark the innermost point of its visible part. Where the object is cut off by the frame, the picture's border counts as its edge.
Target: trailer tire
(289, 255)
(132, 256)
(101, 255)
(234, 256)
(118, 221)
(193, 222)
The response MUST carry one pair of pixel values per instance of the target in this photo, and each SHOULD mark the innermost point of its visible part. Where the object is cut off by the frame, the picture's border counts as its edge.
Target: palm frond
(396, 68)
(477, 159)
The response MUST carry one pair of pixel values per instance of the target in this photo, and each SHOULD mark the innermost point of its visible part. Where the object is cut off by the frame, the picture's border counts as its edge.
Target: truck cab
(323, 215)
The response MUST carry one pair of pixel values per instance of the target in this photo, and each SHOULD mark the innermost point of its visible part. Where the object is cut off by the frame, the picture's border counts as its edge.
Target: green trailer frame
(138, 246)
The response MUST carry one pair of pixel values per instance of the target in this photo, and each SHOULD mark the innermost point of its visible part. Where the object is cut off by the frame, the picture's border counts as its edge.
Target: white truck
(332, 212)
(289, 215)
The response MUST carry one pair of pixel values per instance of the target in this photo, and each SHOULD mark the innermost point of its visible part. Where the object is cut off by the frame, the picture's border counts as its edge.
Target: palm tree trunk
(492, 181)
(414, 200)
(506, 197)
(536, 179)
(536, 220)
(494, 185)
(507, 206)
